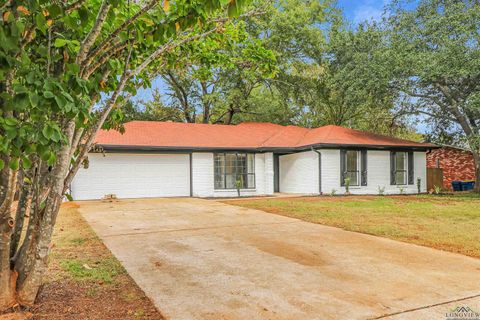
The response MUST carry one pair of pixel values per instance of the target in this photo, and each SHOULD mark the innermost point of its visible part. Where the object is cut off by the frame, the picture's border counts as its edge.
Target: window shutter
(363, 165)
(410, 168)
(392, 168)
(343, 167)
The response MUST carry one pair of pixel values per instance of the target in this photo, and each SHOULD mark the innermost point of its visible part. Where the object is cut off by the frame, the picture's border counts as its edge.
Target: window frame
(405, 170)
(247, 172)
(358, 171)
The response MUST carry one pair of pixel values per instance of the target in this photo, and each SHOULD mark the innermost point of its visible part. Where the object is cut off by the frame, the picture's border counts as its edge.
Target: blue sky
(361, 10)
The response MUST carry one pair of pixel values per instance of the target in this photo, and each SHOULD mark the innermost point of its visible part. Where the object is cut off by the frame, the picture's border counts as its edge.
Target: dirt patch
(70, 205)
(70, 300)
(16, 316)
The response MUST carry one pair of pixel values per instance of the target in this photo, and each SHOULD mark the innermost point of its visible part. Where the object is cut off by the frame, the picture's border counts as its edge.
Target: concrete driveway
(202, 259)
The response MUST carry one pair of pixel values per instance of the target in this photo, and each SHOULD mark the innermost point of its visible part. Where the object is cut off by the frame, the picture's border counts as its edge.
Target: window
(233, 168)
(400, 168)
(352, 165)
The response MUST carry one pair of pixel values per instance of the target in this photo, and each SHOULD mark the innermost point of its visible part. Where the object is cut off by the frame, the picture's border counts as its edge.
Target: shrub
(381, 191)
(347, 185)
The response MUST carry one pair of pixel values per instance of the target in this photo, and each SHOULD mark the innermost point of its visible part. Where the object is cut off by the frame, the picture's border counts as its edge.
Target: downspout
(319, 170)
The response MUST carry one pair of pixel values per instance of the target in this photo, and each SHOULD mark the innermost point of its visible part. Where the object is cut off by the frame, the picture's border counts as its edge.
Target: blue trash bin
(468, 185)
(457, 185)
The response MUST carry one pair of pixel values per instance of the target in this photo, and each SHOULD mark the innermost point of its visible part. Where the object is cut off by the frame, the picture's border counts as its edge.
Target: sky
(361, 10)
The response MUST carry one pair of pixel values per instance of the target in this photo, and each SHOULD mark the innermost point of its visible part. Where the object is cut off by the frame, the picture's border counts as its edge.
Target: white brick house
(166, 159)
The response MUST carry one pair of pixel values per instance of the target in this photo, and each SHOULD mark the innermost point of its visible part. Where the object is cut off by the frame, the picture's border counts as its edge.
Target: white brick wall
(378, 173)
(202, 174)
(133, 176)
(299, 173)
(203, 179)
(268, 173)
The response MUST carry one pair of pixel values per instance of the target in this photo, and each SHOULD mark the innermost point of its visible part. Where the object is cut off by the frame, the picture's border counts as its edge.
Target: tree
(317, 55)
(150, 110)
(345, 96)
(430, 59)
(220, 75)
(65, 66)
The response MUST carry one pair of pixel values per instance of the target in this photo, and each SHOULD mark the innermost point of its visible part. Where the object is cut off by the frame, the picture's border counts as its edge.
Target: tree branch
(127, 74)
(91, 37)
(74, 6)
(105, 43)
(104, 59)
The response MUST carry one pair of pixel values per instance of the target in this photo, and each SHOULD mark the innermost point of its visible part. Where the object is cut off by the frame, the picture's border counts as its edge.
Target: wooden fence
(434, 178)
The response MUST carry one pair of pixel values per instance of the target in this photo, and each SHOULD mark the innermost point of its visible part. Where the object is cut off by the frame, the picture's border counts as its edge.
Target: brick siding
(457, 164)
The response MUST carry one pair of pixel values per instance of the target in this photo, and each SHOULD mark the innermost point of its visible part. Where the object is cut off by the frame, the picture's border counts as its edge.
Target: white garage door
(133, 176)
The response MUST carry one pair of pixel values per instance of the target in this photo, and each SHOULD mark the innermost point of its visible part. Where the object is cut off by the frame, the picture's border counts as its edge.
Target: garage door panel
(133, 176)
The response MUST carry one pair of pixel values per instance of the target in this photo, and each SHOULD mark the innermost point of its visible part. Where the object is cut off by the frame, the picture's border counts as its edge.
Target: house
(456, 163)
(166, 159)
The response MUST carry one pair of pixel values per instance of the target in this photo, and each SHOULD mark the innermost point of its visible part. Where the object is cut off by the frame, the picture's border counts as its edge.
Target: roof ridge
(303, 136)
(262, 144)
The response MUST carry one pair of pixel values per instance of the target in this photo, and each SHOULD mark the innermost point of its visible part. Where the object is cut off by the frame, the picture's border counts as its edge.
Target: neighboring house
(457, 164)
(163, 159)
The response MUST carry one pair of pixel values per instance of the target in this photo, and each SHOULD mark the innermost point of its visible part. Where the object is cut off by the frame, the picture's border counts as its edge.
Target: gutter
(172, 149)
(319, 169)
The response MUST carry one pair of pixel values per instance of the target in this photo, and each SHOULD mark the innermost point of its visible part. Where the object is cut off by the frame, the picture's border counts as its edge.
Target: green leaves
(26, 162)
(14, 164)
(54, 11)
(48, 132)
(48, 94)
(52, 132)
(41, 22)
(38, 49)
(60, 42)
(72, 45)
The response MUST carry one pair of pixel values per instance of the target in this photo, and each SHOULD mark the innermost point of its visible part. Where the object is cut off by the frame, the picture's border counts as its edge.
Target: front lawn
(450, 223)
(84, 280)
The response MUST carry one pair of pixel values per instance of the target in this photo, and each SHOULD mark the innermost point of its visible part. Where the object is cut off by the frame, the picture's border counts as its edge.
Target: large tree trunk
(22, 210)
(7, 277)
(32, 259)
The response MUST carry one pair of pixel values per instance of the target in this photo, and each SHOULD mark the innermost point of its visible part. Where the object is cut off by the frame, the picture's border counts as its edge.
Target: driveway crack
(195, 229)
(424, 307)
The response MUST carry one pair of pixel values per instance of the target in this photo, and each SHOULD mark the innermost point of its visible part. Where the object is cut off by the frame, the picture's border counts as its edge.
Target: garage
(133, 176)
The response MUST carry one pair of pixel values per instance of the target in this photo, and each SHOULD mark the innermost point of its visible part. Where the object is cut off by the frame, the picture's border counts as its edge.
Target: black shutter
(410, 168)
(363, 165)
(343, 167)
(392, 168)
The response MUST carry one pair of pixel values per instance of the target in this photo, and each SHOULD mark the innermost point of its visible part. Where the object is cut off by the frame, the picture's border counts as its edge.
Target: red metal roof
(244, 135)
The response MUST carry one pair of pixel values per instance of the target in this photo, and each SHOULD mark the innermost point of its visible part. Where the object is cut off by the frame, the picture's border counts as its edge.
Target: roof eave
(186, 149)
(368, 146)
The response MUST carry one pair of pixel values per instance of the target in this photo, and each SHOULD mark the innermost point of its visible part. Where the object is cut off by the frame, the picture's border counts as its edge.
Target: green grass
(79, 255)
(448, 222)
(87, 270)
